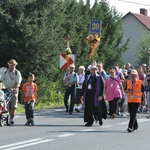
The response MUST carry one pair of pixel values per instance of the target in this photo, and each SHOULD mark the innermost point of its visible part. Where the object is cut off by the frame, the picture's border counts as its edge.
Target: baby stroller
(5, 116)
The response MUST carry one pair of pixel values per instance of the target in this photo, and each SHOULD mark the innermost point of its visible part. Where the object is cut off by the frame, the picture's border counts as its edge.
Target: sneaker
(124, 114)
(129, 130)
(27, 123)
(135, 129)
(88, 124)
(32, 122)
(12, 122)
(114, 116)
(148, 117)
(100, 122)
(77, 110)
(70, 113)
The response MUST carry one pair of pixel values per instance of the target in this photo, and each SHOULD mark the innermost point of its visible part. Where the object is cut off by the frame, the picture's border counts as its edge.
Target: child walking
(30, 98)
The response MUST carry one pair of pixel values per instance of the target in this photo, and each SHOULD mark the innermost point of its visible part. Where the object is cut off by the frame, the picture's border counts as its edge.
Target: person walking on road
(70, 80)
(92, 97)
(30, 98)
(81, 77)
(135, 91)
(114, 91)
(12, 79)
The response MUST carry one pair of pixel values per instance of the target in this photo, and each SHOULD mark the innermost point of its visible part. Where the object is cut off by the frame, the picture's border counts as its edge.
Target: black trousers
(133, 107)
(29, 110)
(69, 91)
(113, 106)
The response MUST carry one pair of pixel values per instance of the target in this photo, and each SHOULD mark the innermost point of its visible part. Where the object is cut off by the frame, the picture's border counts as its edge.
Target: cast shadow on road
(61, 115)
(48, 125)
(96, 131)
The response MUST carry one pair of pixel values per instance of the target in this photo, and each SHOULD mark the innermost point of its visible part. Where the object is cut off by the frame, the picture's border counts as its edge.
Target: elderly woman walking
(114, 92)
(135, 91)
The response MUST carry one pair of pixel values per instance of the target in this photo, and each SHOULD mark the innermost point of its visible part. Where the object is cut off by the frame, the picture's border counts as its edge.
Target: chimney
(143, 11)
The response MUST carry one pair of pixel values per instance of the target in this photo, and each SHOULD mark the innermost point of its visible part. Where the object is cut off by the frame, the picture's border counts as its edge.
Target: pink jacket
(112, 88)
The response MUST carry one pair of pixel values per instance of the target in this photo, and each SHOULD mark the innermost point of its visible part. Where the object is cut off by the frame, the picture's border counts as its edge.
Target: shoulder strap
(6, 71)
(75, 74)
(16, 72)
(114, 79)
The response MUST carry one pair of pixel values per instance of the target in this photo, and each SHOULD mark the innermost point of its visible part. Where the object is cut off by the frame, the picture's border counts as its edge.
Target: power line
(133, 2)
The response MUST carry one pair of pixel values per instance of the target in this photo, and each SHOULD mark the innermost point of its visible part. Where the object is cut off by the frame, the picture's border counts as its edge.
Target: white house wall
(134, 30)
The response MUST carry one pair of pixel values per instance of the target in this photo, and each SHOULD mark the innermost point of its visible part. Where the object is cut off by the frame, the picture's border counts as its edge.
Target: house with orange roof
(134, 26)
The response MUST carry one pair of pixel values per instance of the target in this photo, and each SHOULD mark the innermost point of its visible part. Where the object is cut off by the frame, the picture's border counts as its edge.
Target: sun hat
(115, 67)
(124, 71)
(93, 67)
(99, 64)
(72, 66)
(144, 65)
(12, 62)
(133, 71)
(89, 67)
(82, 67)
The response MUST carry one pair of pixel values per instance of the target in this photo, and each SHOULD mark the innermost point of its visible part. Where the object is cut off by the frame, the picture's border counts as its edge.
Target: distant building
(134, 26)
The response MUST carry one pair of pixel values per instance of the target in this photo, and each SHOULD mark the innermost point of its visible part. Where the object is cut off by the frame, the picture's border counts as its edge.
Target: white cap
(144, 65)
(124, 70)
(72, 65)
(82, 67)
(93, 67)
(89, 67)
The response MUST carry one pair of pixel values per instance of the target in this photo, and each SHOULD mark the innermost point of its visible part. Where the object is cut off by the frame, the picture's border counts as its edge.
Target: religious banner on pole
(66, 61)
(93, 39)
(95, 27)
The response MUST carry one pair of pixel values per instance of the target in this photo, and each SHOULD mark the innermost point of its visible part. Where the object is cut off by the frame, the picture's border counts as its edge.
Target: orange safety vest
(134, 93)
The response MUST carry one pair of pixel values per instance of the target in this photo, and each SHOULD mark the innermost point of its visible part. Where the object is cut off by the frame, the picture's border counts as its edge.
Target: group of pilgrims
(121, 92)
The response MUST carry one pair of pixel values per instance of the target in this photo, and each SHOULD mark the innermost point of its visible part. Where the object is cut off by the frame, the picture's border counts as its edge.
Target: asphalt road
(56, 130)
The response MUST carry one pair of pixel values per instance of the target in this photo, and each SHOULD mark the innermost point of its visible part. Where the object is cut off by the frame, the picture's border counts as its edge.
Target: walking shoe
(148, 117)
(100, 122)
(129, 130)
(12, 122)
(88, 124)
(32, 122)
(70, 113)
(114, 116)
(134, 129)
(77, 110)
(124, 114)
(27, 123)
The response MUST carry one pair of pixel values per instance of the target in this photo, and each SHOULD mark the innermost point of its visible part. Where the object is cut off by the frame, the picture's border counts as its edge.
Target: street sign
(66, 61)
(95, 26)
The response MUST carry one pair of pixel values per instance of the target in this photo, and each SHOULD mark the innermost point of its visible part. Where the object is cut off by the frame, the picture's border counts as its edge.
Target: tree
(111, 49)
(33, 31)
(142, 49)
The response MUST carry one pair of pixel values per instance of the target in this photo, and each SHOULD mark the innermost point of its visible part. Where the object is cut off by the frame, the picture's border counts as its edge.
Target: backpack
(16, 71)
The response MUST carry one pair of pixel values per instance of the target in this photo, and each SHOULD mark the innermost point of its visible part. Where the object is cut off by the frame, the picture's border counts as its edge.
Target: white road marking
(65, 135)
(19, 143)
(143, 120)
(107, 126)
(30, 144)
(87, 130)
(122, 123)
